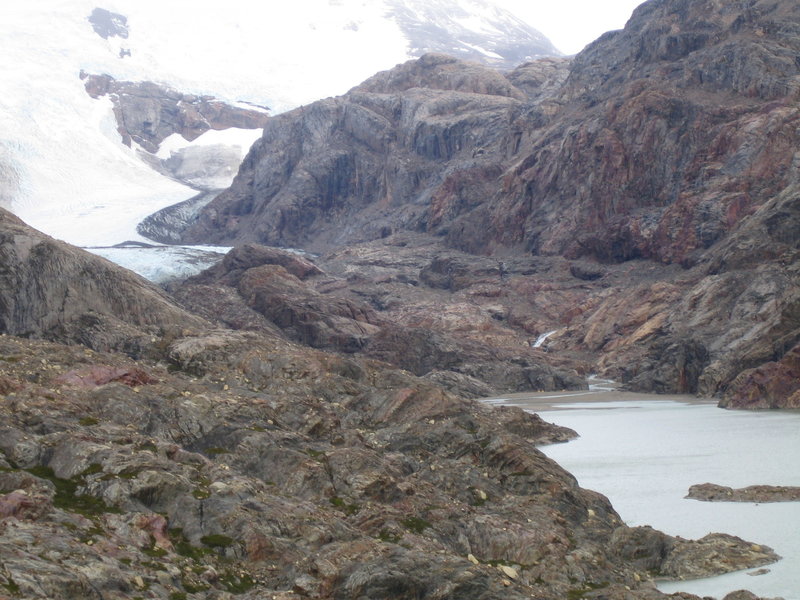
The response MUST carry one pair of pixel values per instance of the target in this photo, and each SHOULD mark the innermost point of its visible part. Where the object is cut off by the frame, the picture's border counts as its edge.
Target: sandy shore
(599, 392)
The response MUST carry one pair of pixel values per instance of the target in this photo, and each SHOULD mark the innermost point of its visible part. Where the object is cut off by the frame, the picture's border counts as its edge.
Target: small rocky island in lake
(711, 492)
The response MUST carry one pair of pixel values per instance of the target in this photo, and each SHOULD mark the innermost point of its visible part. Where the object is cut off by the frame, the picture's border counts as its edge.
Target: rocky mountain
(60, 151)
(264, 432)
(214, 463)
(666, 149)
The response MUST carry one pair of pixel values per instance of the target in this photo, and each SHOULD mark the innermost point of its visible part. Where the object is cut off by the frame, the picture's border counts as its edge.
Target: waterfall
(542, 338)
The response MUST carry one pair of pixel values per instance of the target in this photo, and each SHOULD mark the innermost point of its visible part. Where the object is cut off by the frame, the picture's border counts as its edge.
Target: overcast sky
(572, 24)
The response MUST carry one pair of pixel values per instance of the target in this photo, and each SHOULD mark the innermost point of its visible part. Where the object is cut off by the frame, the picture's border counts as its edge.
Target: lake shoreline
(643, 451)
(564, 400)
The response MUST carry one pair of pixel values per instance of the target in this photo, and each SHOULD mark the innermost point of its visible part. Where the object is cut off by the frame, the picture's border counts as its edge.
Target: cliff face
(358, 167)
(672, 131)
(672, 141)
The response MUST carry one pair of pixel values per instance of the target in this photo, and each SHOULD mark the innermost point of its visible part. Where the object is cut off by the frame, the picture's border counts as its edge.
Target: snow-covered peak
(470, 29)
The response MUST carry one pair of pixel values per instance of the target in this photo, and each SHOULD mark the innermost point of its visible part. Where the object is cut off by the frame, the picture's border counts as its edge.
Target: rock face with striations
(672, 141)
(54, 290)
(358, 167)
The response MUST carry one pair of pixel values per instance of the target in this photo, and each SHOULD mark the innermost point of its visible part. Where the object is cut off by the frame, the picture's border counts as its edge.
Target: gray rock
(108, 24)
(51, 289)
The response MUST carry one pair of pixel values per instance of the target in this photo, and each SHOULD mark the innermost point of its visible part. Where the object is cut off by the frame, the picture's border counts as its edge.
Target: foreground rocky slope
(236, 463)
(672, 141)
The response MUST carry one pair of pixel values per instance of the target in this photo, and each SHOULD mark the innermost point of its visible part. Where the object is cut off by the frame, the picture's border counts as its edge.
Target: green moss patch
(387, 536)
(184, 548)
(217, 540)
(237, 583)
(67, 496)
(348, 509)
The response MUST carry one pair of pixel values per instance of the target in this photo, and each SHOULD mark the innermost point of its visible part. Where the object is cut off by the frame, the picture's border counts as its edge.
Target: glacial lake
(644, 452)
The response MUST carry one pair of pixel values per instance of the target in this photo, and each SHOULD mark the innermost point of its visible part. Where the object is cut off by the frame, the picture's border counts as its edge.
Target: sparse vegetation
(387, 536)
(415, 524)
(201, 493)
(237, 583)
(348, 509)
(217, 540)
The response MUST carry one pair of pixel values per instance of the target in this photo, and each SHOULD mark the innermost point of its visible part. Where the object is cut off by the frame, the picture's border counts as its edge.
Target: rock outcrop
(771, 385)
(672, 141)
(53, 290)
(109, 24)
(147, 113)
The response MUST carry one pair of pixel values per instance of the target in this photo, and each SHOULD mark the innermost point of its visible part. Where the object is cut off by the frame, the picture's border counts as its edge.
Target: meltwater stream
(644, 452)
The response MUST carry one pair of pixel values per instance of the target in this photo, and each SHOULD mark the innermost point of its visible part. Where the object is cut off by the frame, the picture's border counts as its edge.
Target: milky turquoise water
(644, 455)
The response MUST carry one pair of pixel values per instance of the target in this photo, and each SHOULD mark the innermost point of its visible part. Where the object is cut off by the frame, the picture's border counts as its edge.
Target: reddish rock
(772, 385)
(21, 505)
(156, 525)
(248, 256)
(97, 375)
